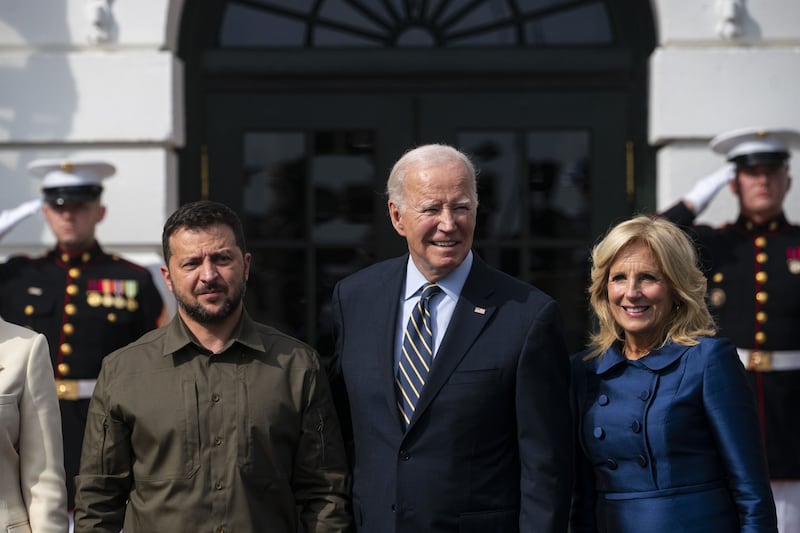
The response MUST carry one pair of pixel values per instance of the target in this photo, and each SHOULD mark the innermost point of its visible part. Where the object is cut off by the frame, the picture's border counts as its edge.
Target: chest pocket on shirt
(170, 442)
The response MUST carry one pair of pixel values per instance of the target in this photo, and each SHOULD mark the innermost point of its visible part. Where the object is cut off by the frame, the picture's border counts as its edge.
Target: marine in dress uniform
(85, 301)
(753, 271)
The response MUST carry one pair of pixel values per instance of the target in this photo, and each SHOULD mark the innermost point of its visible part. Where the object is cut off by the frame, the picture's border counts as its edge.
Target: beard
(200, 314)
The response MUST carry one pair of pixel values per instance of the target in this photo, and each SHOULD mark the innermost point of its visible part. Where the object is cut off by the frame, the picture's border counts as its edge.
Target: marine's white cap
(71, 181)
(756, 146)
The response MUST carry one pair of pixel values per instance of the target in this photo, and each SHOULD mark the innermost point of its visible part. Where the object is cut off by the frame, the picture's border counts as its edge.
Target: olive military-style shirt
(180, 439)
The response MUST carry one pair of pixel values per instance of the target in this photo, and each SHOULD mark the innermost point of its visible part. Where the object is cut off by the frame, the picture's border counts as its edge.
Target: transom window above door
(414, 23)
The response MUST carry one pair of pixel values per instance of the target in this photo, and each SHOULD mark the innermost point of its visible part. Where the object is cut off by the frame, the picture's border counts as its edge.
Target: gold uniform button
(66, 348)
(70, 309)
(74, 273)
(761, 317)
(29, 310)
(65, 258)
(761, 258)
(761, 297)
(68, 329)
(63, 369)
(761, 242)
(761, 277)
(718, 277)
(761, 337)
(86, 257)
(112, 317)
(72, 289)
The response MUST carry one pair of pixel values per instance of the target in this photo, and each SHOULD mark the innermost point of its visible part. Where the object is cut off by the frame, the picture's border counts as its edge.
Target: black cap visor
(774, 159)
(79, 194)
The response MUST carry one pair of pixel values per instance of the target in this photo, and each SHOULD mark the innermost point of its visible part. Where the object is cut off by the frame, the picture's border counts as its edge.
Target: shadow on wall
(37, 102)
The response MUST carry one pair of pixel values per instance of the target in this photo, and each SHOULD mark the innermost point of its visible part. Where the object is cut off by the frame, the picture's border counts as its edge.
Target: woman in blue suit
(668, 434)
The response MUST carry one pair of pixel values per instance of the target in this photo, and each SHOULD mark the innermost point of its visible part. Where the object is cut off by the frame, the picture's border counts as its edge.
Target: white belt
(75, 389)
(766, 360)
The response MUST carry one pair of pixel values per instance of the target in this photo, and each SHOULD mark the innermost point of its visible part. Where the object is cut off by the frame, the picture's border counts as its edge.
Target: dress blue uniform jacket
(753, 276)
(670, 443)
(488, 449)
(87, 305)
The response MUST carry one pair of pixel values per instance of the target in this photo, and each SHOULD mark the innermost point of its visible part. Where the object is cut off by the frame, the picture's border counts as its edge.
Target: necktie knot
(429, 290)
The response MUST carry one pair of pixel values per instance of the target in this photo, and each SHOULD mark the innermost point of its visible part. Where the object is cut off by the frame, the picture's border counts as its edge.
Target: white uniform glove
(704, 190)
(11, 217)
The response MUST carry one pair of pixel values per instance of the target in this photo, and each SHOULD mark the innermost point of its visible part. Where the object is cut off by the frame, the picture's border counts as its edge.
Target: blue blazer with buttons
(488, 449)
(669, 443)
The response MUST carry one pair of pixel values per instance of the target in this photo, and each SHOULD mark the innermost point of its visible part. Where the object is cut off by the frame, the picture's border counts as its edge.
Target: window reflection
(308, 208)
(558, 183)
(533, 218)
(275, 185)
(343, 198)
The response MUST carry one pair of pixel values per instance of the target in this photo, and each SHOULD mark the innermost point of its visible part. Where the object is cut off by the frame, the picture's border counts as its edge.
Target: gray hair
(425, 155)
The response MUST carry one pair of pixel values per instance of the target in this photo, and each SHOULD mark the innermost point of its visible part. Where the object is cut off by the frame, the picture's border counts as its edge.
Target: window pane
(275, 185)
(533, 218)
(558, 183)
(582, 25)
(399, 23)
(309, 204)
(343, 207)
(247, 27)
(276, 293)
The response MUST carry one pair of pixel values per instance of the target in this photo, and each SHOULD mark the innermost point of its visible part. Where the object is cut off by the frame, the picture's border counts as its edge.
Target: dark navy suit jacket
(488, 448)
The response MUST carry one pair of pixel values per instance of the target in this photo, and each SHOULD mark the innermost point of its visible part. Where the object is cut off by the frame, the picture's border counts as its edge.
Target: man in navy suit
(486, 446)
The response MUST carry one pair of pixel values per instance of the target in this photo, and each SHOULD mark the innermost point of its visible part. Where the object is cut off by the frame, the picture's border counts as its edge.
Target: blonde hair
(675, 254)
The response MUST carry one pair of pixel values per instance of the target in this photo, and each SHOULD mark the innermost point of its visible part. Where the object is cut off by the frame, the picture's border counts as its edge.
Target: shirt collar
(657, 360)
(451, 284)
(776, 224)
(76, 258)
(178, 335)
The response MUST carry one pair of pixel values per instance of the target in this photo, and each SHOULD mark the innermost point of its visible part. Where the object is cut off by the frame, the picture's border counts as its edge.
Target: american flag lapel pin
(479, 310)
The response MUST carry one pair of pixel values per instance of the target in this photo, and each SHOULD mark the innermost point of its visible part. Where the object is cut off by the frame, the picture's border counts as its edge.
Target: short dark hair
(200, 215)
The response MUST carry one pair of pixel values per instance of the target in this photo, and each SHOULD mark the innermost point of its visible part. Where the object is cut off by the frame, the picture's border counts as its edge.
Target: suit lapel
(471, 314)
(388, 293)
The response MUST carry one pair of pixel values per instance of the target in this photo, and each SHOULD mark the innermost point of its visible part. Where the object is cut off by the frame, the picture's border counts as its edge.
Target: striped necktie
(415, 360)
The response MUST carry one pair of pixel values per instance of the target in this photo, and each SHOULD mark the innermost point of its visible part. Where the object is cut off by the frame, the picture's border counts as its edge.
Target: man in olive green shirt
(213, 422)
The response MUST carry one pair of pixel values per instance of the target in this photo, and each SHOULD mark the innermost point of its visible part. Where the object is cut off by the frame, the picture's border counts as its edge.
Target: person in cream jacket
(33, 495)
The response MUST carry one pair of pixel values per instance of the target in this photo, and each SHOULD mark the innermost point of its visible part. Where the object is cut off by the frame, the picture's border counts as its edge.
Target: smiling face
(640, 296)
(436, 215)
(761, 190)
(207, 273)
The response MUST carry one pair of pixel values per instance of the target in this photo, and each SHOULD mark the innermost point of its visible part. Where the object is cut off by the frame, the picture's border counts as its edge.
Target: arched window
(414, 23)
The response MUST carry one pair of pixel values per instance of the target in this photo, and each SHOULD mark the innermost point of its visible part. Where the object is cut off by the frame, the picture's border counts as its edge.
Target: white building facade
(102, 79)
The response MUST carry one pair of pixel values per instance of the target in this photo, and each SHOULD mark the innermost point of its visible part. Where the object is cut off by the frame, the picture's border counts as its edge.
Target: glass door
(307, 173)
(552, 179)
